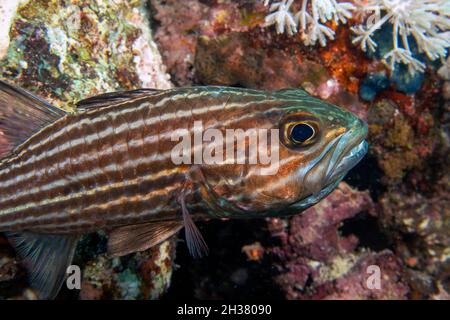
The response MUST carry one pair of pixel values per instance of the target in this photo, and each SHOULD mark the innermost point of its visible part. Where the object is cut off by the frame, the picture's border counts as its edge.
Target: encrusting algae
(66, 51)
(69, 50)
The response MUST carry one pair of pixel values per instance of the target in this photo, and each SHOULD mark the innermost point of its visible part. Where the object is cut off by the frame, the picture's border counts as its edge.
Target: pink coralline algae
(419, 224)
(357, 282)
(314, 234)
(316, 261)
(177, 38)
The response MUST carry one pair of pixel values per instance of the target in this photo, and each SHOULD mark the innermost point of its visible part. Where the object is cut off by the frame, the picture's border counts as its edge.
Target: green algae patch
(69, 50)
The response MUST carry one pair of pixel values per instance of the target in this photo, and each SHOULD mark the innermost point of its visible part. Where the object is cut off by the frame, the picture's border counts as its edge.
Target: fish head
(320, 143)
(312, 145)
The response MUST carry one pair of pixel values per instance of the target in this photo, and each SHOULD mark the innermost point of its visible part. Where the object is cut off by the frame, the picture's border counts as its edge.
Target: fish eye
(299, 130)
(301, 133)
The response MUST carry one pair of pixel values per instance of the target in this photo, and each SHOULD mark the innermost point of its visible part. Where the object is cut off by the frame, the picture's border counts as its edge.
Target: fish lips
(351, 159)
(351, 148)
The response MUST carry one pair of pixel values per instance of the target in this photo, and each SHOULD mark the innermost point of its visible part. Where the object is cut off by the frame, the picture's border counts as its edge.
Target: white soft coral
(427, 21)
(310, 19)
(281, 17)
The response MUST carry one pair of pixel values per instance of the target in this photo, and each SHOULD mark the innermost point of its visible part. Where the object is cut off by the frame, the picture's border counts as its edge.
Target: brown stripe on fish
(69, 128)
(124, 209)
(107, 192)
(99, 153)
(161, 212)
(88, 160)
(48, 212)
(156, 101)
(167, 136)
(128, 139)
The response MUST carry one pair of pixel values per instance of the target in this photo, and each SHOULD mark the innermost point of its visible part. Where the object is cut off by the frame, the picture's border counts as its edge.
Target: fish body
(111, 165)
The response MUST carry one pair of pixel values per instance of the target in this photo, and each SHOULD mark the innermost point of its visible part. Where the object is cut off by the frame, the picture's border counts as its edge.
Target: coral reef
(220, 61)
(393, 210)
(325, 252)
(393, 139)
(180, 24)
(311, 23)
(426, 21)
(8, 10)
(419, 224)
(65, 51)
(317, 261)
(143, 275)
(416, 25)
(70, 49)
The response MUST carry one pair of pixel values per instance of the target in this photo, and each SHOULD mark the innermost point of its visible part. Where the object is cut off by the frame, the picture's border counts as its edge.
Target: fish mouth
(342, 155)
(353, 157)
(350, 149)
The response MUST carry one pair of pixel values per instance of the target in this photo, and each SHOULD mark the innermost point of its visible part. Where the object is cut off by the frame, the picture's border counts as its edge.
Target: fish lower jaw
(350, 160)
(316, 197)
(353, 157)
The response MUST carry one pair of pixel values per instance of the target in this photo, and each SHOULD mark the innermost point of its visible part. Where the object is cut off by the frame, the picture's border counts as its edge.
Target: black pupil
(301, 132)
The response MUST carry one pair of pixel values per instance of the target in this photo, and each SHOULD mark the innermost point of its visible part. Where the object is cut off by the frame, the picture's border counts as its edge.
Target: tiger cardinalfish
(109, 167)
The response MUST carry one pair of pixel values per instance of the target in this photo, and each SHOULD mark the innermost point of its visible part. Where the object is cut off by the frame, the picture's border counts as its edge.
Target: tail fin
(21, 115)
(45, 256)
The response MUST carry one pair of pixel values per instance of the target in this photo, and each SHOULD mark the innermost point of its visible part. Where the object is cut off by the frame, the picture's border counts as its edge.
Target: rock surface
(65, 51)
(317, 261)
(69, 50)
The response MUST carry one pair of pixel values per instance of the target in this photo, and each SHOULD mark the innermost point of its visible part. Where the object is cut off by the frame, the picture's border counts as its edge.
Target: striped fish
(109, 166)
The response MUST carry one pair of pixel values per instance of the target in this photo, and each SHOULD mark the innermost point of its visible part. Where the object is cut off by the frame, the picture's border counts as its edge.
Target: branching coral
(310, 19)
(427, 21)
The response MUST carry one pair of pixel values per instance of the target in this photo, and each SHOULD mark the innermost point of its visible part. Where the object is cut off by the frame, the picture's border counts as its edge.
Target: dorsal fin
(107, 99)
(21, 115)
(293, 92)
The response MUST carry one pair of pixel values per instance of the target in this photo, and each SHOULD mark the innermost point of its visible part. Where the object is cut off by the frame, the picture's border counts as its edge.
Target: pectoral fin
(46, 257)
(133, 238)
(194, 240)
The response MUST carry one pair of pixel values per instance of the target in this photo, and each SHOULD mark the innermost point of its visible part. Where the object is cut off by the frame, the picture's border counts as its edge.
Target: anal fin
(46, 258)
(140, 237)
